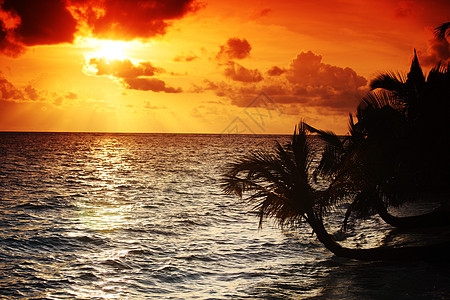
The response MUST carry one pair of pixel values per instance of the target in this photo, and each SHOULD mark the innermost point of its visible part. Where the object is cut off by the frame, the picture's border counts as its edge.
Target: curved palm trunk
(380, 253)
(435, 218)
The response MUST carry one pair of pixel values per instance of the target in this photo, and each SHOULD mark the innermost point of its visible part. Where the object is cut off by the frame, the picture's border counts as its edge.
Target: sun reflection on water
(106, 207)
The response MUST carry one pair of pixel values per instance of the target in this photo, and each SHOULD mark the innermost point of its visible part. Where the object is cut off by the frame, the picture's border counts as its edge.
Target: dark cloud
(307, 82)
(149, 84)
(261, 13)
(29, 23)
(26, 23)
(8, 45)
(118, 19)
(438, 51)
(308, 72)
(8, 91)
(122, 68)
(314, 83)
(186, 58)
(235, 48)
(404, 9)
(275, 71)
(132, 76)
(239, 73)
(32, 93)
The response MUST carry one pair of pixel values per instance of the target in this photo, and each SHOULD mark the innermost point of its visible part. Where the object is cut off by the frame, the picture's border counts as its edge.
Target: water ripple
(141, 216)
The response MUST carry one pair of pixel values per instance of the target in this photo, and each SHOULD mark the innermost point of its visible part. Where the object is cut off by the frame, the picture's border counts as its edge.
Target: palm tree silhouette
(279, 184)
(396, 151)
(442, 31)
(425, 106)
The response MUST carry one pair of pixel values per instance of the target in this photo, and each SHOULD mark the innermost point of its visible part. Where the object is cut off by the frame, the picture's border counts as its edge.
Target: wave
(136, 216)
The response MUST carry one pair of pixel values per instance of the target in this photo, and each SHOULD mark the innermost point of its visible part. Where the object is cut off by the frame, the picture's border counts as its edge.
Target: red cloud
(8, 91)
(308, 72)
(438, 51)
(186, 58)
(123, 68)
(275, 71)
(26, 23)
(235, 48)
(118, 19)
(132, 76)
(404, 9)
(149, 84)
(239, 73)
(307, 82)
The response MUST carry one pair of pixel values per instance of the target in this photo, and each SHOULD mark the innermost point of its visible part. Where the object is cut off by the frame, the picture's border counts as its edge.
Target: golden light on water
(102, 218)
(105, 209)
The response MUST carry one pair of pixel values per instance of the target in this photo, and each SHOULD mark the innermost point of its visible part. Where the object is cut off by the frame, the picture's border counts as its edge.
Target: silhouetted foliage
(279, 186)
(442, 31)
(396, 151)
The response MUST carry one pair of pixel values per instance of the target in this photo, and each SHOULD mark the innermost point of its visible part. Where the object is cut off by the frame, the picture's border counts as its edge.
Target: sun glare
(111, 50)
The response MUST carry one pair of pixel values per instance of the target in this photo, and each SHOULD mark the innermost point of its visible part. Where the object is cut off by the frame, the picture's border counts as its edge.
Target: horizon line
(134, 132)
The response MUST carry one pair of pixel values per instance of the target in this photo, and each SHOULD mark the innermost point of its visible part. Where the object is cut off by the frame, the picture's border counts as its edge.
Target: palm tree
(442, 31)
(396, 151)
(279, 186)
(424, 103)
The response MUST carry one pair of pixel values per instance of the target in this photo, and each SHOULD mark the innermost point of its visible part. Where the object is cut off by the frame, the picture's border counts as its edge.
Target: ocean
(143, 216)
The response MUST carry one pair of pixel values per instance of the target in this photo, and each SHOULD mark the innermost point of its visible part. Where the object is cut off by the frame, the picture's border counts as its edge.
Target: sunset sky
(203, 66)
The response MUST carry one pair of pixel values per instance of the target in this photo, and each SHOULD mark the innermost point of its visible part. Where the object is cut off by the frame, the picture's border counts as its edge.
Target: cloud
(149, 106)
(261, 13)
(309, 73)
(438, 50)
(28, 23)
(306, 82)
(8, 45)
(25, 23)
(71, 96)
(8, 91)
(186, 58)
(149, 84)
(239, 73)
(121, 68)
(404, 9)
(32, 93)
(118, 19)
(132, 76)
(275, 71)
(235, 48)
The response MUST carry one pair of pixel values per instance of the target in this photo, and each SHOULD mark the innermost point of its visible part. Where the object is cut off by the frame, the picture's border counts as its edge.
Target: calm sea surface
(142, 216)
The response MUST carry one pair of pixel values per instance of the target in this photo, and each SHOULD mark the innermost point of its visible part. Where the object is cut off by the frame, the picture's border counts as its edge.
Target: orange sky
(203, 66)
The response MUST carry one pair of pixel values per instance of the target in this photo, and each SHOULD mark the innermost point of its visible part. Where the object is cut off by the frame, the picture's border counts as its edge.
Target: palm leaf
(276, 182)
(442, 31)
(393, 82)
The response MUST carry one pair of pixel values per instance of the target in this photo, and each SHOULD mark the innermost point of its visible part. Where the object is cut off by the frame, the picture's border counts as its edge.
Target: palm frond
(276, 182)
(442, 31)
(362, 205)
(376, 100)
(329, 137)
(392, 82)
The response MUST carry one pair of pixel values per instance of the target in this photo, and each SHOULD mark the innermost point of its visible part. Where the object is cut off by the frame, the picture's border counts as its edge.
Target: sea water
(143, 216)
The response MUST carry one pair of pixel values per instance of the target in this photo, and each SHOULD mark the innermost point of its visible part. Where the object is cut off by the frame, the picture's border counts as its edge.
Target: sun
(108, 49)
(112, 50)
